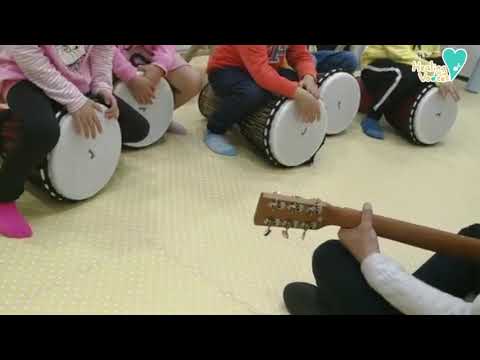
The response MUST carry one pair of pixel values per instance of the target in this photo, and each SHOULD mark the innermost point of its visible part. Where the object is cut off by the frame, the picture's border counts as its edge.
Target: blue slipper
(372, 128)
(219, 144)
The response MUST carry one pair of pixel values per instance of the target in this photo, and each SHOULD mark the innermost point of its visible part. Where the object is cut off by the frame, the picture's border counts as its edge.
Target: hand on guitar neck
(293, 212)
(362, 240)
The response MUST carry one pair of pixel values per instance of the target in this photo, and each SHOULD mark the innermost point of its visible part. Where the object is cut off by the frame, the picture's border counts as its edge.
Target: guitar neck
(416, 235)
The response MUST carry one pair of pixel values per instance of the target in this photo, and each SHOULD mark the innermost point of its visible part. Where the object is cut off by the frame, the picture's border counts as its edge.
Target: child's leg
(388, 82)
(240, 96)
(187, 83)
(133, 125)
(330, 60)
(39, 135)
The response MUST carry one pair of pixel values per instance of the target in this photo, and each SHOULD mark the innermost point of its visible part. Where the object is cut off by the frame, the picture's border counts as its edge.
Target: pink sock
(12, 222)
(177, 128)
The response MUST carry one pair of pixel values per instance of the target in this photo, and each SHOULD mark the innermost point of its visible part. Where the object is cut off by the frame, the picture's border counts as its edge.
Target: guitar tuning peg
(304, 234)
(267, 232)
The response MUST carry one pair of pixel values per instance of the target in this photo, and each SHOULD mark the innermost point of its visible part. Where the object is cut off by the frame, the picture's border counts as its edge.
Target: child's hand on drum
(309, 84)
(142, 89)
(153, 73)
(86, 121)
(448, 88)
(308, 106)
(112, 112)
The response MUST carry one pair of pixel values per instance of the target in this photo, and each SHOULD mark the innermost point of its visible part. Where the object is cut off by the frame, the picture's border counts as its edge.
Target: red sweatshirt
(262, 62)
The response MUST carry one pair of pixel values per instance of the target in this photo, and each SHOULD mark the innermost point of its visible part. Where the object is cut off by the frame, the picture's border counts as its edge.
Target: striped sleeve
(37, 68)
(101, 66)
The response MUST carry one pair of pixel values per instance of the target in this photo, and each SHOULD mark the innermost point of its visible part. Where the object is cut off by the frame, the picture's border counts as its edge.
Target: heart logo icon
(455, 61)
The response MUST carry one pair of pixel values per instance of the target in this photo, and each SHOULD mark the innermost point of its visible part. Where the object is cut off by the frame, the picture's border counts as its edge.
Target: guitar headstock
(289, 212)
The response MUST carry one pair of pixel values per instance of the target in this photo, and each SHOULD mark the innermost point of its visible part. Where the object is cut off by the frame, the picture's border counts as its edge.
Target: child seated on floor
(245, 77)
(388, 76)
(38, 80)
(156, 62)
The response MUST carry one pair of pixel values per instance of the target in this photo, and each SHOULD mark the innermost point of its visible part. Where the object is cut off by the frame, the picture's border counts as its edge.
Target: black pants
(389, 82)
(239, 96)
(342, 288)
(40, 132)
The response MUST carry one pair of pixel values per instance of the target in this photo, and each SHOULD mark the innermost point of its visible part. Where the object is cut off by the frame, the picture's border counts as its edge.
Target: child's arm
(122, 67)
(163, 56)
(101, 62)
(39, 70)
(300, 59)
(403, 54)
(437, 53)
(255, 59)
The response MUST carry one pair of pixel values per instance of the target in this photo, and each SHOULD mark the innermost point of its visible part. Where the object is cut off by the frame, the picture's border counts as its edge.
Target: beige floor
(173, 233)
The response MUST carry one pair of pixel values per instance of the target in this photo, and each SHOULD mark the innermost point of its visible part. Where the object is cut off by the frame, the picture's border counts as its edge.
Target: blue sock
(219, 144)
(372, 128)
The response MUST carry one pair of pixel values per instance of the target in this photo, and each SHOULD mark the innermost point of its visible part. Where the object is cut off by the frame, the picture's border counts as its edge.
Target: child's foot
(12, 222)
(372, 128)
(177, 128)
(219, 144)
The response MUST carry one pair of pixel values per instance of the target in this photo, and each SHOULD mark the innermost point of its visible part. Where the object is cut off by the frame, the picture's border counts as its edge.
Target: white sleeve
(410, 295)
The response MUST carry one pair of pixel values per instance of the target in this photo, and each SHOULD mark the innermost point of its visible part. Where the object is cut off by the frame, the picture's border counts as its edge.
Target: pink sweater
(128, 57)
(64, 72)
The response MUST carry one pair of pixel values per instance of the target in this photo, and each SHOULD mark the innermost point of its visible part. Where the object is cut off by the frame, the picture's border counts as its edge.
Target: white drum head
(341, 94)
(79, 168)
(434, 117)
(159, 114)
(292, 141)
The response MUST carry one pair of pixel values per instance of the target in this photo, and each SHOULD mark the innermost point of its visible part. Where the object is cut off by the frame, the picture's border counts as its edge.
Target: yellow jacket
(405, 54)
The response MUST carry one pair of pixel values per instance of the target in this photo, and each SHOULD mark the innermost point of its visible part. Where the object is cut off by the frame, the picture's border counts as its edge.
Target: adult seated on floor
(354, 278)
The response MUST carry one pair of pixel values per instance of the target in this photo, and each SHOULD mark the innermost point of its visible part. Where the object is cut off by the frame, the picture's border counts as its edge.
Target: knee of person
(254, 95)
(42, 138)
(325, 250)
(197, 86)
(350, 62)
(471, 231)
